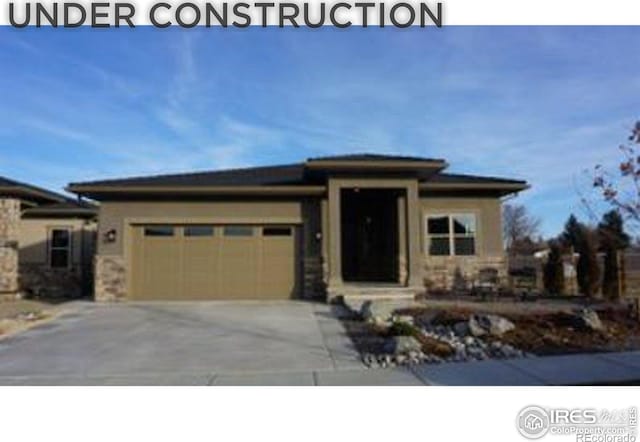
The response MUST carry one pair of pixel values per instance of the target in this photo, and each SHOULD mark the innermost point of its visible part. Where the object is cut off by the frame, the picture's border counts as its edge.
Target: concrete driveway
(180, 343)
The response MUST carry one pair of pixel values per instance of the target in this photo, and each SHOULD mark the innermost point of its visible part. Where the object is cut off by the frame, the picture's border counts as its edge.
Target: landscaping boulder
(494, 325)
(588, 319)
(461, 329)
(402, 345)
(380, 311)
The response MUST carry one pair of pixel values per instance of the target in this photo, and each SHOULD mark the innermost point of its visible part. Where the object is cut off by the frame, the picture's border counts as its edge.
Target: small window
(451, 234)
(60, 248)
(238, 231)
(198, 231)
(276, 231)
(158, 231)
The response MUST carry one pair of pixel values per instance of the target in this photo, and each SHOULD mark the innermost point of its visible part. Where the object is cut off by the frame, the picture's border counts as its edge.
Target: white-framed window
(60, 248)
(451, 234)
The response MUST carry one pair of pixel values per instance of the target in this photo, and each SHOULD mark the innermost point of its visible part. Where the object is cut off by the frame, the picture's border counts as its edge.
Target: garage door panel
(161, 260)
(200, 268)
(278, 267)
(238, 267)
(225, 262)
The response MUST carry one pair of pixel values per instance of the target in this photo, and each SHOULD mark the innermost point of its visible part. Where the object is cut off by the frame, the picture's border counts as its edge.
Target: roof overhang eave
(375, 165)
(32, 195)
(82, 213)
(505, 188)
(97, 190)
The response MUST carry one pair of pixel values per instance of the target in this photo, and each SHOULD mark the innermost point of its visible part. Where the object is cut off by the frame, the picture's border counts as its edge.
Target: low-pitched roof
(280, 177)
(9, 187)
(250, 176)
(44, 201)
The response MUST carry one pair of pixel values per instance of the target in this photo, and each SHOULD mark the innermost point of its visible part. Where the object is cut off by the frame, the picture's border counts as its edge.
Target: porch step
(355, 296)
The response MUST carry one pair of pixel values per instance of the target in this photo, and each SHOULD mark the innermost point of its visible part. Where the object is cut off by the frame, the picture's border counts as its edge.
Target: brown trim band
(200, 190)
(474, 186)
(391, 165)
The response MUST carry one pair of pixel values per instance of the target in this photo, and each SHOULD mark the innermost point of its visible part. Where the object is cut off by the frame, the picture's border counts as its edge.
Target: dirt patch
(20, 314)
(11, 308)
(552, 334)
(549, 333)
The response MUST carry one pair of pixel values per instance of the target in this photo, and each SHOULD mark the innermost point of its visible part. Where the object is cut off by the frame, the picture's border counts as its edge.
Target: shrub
(403, 329)
(613, 240)
(581, 239)
(588, 269)
(553, 272)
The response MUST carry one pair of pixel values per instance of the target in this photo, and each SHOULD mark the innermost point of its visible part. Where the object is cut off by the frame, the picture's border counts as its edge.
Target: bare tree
(519, 226)
(621, 189)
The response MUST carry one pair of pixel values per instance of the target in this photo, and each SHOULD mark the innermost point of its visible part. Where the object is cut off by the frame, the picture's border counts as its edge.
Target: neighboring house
(334, 226)
(46, 241)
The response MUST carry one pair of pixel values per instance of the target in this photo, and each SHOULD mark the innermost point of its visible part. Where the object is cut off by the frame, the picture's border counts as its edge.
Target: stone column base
(8, 269)
(110, 278)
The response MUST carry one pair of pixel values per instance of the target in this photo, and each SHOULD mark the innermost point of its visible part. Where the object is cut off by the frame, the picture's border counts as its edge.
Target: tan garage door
(172, 262)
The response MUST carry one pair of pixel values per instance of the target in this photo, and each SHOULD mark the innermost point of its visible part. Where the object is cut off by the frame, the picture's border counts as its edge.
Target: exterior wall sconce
(318, 236)
(110, 236)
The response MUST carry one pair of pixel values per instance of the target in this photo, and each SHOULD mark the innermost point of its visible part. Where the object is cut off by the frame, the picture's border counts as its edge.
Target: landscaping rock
(494, 325)
(369, 360)
(461, 329)
(402, 345)
(475, 328)
(377, 311)
(382, 310)
(588, 319)
(405, 319)
(469, 340)
(430, 343)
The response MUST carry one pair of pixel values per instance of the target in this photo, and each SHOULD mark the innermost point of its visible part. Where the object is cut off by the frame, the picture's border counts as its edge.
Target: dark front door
(369, 235)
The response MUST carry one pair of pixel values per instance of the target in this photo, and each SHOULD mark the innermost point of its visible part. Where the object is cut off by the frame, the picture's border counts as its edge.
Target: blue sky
(537, 103)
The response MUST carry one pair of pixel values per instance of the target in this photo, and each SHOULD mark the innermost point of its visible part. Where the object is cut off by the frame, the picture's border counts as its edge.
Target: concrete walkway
(583, 369)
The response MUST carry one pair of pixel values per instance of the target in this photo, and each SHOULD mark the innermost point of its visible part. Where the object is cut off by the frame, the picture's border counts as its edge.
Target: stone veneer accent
(110, 278)
(445, 272)
(314, 286)
(9, 225)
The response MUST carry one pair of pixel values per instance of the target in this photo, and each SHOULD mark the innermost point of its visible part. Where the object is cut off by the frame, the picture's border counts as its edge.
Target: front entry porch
(370, 237)
(373, 245)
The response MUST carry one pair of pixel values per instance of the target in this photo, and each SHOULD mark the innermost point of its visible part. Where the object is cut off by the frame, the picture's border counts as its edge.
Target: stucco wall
(443, 272)
(34, 238)
(36, 276)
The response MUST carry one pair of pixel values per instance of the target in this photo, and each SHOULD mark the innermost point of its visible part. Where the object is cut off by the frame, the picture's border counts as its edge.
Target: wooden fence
(632, 274)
